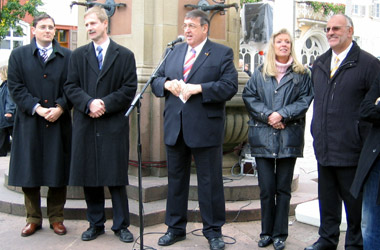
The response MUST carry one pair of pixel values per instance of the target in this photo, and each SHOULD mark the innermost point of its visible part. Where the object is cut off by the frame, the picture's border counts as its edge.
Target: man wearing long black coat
(40, 153)
(101, 86)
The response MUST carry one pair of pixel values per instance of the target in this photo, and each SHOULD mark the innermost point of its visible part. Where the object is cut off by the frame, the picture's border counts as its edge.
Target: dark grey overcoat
(101, 145)
(40, 149)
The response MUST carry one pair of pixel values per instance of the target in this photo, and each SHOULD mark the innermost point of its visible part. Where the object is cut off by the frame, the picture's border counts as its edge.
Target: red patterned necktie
(188, 65)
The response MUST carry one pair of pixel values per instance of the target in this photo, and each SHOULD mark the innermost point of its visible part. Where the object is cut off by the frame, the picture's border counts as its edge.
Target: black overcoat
(336, 127)
(369, 111)
(101, 145)
(40, 153)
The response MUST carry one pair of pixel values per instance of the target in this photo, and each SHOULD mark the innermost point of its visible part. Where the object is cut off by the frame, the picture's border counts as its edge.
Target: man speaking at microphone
(196, 79)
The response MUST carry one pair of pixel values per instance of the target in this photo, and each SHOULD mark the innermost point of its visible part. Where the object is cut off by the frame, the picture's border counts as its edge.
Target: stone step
(236, 188)
(245, 207)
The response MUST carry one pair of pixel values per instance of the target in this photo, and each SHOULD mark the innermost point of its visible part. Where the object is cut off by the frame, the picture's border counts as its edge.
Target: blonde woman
(277, 97)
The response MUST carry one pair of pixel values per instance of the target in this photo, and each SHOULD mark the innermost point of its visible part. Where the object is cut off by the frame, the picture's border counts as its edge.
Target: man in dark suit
(196, 79)
(40, 153)
(341, 78)
(101, 84)
(367, 176)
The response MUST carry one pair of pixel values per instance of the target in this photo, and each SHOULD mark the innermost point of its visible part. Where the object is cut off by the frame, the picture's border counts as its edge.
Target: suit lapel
(182, 50)
(91, 58)
(205, 52)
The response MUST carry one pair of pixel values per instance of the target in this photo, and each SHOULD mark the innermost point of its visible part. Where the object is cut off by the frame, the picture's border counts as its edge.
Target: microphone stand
(137, 103)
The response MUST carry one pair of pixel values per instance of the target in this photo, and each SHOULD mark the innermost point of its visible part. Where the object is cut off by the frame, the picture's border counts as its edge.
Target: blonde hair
(4, 72)
(99, 12)
(269, 68)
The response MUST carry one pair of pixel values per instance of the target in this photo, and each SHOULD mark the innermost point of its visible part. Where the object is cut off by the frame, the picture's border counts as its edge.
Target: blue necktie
(44, 55)
(100, 56)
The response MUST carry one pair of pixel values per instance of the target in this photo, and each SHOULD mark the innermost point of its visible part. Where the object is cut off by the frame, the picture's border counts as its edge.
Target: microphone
(178, 40)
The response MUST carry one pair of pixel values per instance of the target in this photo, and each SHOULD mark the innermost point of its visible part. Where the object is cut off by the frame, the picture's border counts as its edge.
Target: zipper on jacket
(333, 91)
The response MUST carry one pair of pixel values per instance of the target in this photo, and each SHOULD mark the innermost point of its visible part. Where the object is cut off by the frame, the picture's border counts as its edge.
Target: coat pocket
(293, 135)
(258, 134)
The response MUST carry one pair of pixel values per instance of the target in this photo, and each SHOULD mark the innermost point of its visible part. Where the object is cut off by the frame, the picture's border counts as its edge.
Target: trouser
(275, 180)
(56, 199)
(334, 186)
(95, 201)
(208, 161)
(371, 209)
(5, 145)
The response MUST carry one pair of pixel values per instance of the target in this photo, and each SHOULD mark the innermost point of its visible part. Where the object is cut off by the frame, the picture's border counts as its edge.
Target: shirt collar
(42, 47)
(103, 45)
(198, 48)
(342, 55)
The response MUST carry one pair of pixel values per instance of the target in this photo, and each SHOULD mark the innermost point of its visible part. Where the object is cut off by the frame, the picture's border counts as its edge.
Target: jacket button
(97, 134)
(45, 101)
(45, 76)
(47, 125)
(275, 91)
(274, 154)
(374, 150)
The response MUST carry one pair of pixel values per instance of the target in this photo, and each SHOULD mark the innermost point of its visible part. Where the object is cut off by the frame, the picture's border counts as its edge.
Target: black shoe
(278, 244)
(124, 235)
(265, 241)
(320, 246)
(169, 238)
(216, 243)
(92, 233)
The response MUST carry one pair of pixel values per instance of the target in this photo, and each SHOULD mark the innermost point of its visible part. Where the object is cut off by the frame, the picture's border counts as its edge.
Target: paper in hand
(180, 94)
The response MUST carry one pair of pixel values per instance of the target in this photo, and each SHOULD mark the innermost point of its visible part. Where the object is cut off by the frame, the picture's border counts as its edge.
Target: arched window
(310, 51)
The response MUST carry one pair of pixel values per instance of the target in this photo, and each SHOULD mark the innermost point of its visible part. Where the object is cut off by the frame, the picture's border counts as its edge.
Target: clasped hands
(275, 120)
(97, 108)
(179, 87)
(50, 114)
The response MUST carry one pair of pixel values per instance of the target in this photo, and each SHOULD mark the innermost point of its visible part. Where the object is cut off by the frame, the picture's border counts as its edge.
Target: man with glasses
(41, 143)
(341, 78)
(196, 79)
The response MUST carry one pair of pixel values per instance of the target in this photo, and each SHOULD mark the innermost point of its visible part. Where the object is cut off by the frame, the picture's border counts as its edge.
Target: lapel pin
(206, 54)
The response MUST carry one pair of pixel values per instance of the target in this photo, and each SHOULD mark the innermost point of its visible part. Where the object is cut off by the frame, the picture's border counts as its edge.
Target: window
(62, 36)
(376, 9)
(310, 51)
(12, 40)
(358, 10)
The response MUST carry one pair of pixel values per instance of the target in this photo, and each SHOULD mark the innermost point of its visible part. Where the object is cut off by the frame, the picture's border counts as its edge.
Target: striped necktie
(100, 56)
(188, 65)
(336, 66)
(44, 55)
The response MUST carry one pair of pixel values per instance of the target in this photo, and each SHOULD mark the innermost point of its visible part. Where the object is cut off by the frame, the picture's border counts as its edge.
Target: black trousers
(208, 162)
(95, 207)
(334, 186)
(5, 146)
(275, 180)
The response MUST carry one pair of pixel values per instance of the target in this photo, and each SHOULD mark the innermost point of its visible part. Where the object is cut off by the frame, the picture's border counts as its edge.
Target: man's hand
(191, 89)
(279, 125)
(97, 108)
(54, 113)
(274, 118)
(41, 111)
(174, 86)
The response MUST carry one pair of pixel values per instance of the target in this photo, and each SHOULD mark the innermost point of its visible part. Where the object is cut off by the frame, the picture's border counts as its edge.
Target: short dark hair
(40, 17)
(198, 13)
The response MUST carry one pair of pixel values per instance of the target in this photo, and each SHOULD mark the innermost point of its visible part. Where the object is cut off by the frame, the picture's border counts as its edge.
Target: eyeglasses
(334, 28)
(191, 26)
